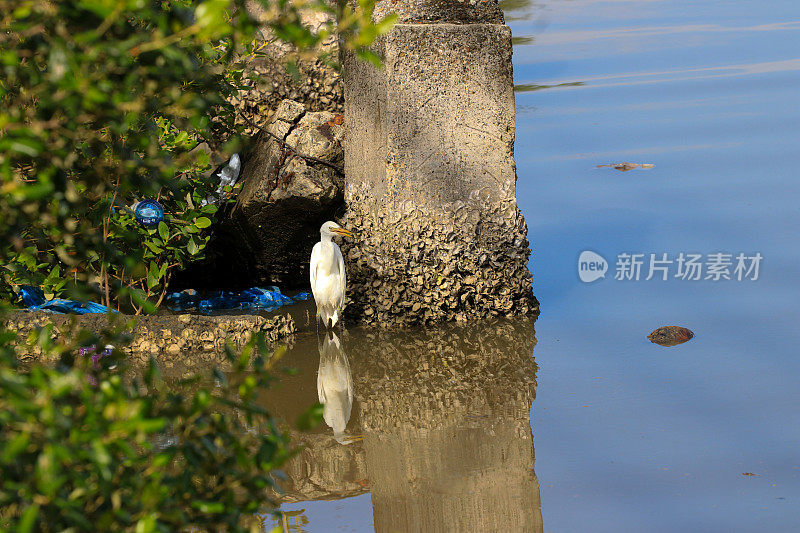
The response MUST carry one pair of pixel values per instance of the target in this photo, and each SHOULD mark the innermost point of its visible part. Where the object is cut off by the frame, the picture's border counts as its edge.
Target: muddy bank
(202, 336)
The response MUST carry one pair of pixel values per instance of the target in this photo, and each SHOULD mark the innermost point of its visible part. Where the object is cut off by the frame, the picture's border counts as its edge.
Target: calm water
(627, 435)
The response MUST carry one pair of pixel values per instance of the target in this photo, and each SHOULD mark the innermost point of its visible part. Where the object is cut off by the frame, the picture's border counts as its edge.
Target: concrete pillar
(430, 174)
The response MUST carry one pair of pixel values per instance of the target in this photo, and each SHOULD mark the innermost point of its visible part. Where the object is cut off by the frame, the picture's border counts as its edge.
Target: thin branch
(164, 40)
(108, 21)
(286, 145)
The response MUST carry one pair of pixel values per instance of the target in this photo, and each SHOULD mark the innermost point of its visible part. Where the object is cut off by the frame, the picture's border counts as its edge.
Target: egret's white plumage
(335, 386)
(328, 278)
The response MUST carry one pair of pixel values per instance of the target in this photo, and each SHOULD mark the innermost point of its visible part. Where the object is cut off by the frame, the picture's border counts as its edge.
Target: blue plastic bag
(33, 298)
(254, 298)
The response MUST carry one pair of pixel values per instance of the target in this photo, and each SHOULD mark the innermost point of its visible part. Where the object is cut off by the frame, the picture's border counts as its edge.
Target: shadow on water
(530, 87)
(445, 419)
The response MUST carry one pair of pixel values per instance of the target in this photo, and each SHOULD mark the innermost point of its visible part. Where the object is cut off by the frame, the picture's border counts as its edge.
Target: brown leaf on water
(670, 335)
(624, 167)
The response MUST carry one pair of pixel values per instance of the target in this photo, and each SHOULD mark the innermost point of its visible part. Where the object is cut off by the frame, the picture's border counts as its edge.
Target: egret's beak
(343, 232)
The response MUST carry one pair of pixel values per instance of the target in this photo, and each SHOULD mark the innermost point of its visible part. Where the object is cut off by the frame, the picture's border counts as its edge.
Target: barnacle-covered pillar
(430, 174)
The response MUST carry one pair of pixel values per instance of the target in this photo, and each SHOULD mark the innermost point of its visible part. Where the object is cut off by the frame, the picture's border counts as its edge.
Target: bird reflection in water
(335, 387)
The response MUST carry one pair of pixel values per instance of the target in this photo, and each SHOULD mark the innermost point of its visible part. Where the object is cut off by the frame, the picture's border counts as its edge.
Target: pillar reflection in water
(446, 421)
(445, 418)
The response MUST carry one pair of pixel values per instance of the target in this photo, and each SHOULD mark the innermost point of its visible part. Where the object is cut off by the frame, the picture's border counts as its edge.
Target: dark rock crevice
(266, 237)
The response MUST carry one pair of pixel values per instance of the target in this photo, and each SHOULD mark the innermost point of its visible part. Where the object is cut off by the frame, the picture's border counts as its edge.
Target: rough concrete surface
(431, 180)
(438, 11)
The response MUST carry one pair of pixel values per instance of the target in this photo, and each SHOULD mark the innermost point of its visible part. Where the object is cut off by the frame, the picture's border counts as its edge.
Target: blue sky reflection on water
(630, 436)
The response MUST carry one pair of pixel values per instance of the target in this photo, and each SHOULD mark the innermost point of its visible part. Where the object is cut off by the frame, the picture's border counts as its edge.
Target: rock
(316, 84)
(266, 238)
(289, 111)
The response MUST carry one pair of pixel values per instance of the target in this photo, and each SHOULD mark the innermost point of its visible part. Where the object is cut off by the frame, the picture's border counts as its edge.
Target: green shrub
(82, 447)
(101, 103)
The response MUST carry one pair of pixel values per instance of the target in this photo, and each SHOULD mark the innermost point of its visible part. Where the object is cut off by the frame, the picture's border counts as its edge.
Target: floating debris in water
(624, 167)
(670, 335)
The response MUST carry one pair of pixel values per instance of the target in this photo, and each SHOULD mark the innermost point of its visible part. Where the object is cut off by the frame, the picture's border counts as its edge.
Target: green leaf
(210, 17)
(13, 448)
(155, 249)
(385, 25)
(370, 56)
(209, 507)
(8, 58)
(146, 524)
(102, 8)
(163, 231)
(181, 138)
(153, 275)
(202, 222)
(28, 519)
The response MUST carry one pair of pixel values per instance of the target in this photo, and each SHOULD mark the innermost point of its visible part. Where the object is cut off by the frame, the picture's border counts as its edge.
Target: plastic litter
(33, 298)
(148, 212)
(228, 177)
(254, 298)
(96, 356)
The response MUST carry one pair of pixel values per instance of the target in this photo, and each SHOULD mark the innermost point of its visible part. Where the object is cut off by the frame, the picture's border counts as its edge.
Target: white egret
(335, 387)
(328, 278)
